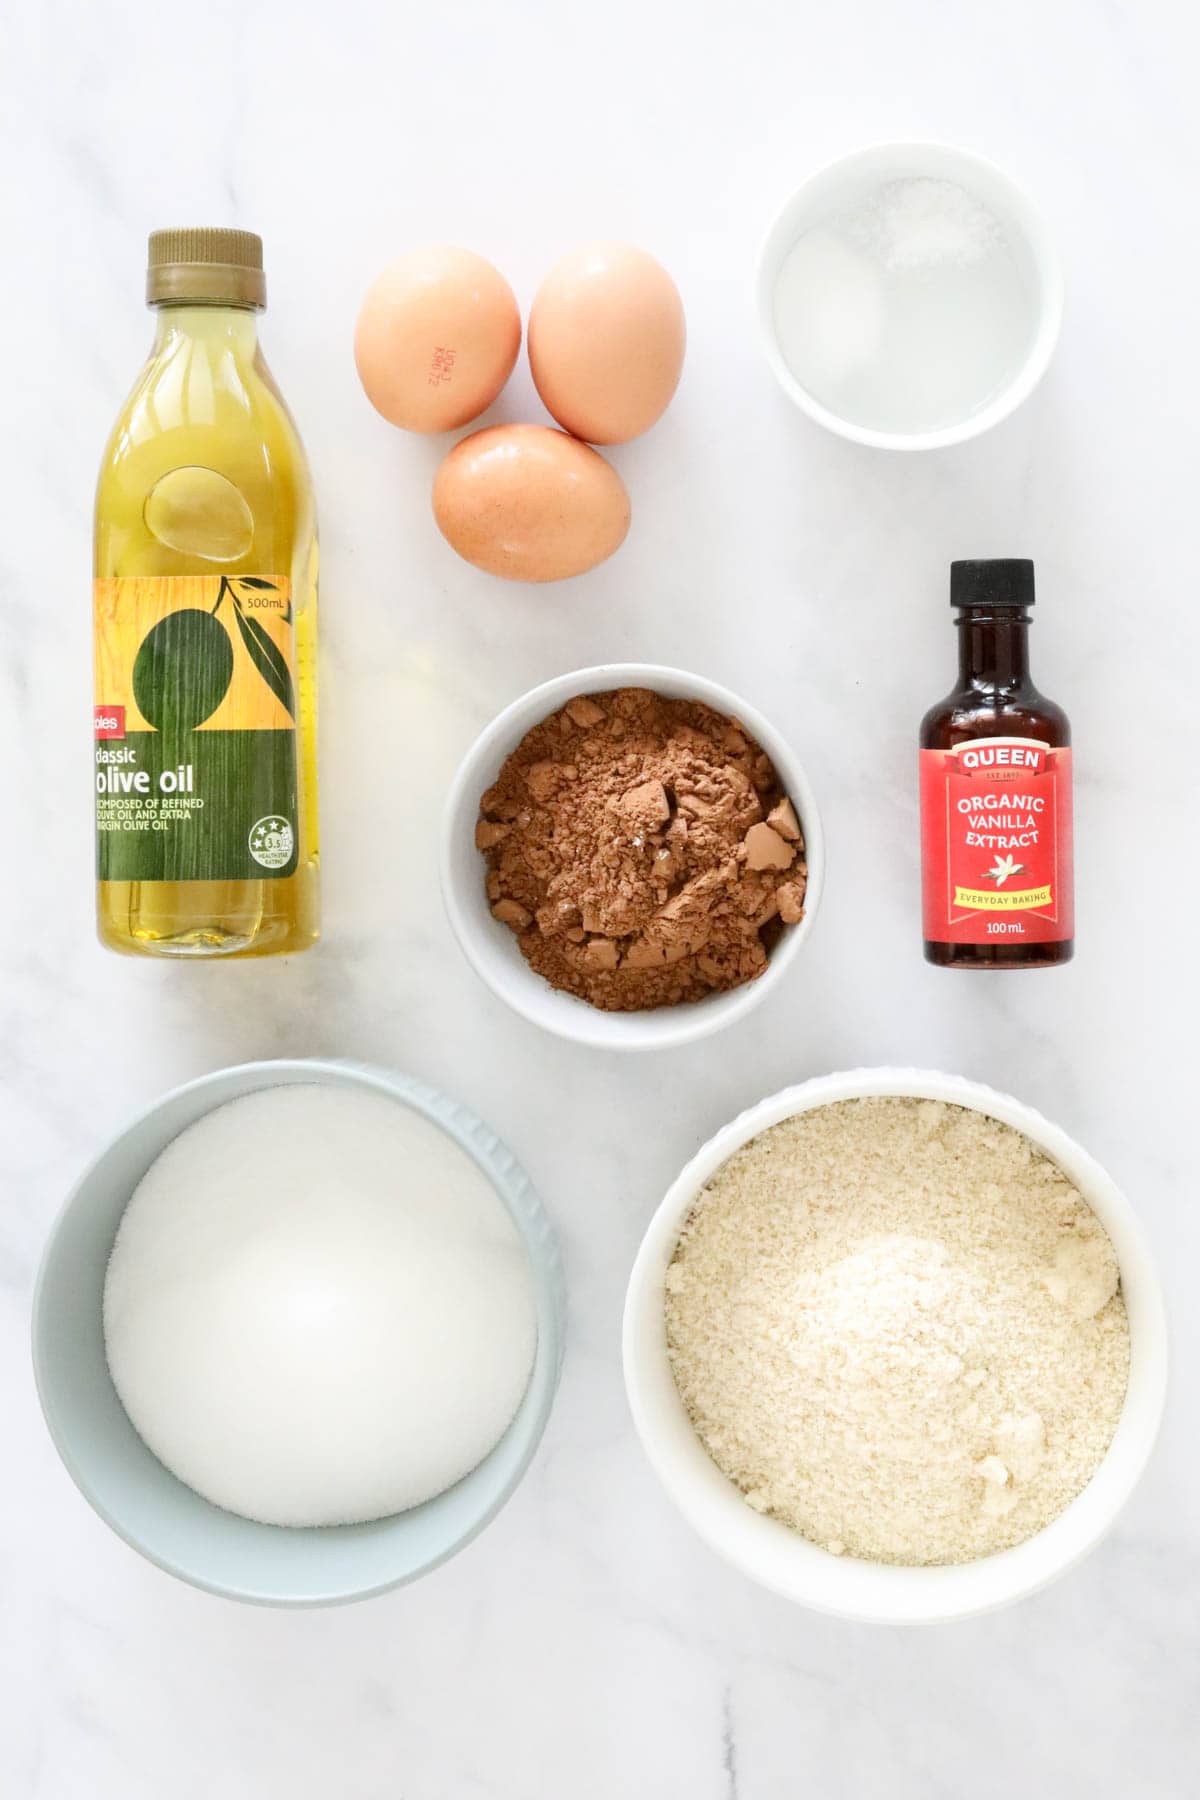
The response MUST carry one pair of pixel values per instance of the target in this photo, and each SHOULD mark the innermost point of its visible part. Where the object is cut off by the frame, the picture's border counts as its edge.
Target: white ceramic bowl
(851, 179)
(780, 1559)
(492, 949)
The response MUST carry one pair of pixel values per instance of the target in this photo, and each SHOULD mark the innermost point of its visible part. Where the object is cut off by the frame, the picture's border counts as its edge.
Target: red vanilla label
(996, 836)
(109, 721)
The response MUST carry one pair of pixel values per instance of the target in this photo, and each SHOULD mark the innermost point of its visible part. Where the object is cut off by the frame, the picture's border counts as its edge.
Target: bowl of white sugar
(895, 1346)
(298, 1330)
(909, 296)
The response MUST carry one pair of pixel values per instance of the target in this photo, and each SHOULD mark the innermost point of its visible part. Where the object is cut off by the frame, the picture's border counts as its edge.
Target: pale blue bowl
(130, 1488)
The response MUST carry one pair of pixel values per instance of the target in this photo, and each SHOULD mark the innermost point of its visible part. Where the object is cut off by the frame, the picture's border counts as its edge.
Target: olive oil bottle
(205, 630)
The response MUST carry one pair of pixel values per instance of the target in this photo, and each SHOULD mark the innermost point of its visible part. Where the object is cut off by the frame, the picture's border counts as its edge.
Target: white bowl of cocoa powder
(631, 856)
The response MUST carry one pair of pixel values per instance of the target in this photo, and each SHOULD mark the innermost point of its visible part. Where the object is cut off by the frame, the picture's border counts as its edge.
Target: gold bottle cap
(205, 266)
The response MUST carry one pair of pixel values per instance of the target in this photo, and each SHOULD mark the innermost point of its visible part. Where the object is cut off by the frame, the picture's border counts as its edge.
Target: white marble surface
(587, 1646)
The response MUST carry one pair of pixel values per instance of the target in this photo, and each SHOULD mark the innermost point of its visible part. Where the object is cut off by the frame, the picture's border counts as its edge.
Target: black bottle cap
(1001, 581)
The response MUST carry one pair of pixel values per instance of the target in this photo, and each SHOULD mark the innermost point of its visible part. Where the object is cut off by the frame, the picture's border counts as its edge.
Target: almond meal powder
(899, 1329)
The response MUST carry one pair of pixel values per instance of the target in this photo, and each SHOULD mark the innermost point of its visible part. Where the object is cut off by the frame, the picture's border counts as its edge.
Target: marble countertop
(587, 1645)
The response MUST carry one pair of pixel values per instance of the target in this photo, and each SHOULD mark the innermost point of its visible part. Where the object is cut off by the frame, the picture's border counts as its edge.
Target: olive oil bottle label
(195, 728)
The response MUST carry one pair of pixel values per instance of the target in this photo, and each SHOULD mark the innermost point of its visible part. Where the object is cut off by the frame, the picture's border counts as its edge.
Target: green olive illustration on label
(182, 670)
(261, 647)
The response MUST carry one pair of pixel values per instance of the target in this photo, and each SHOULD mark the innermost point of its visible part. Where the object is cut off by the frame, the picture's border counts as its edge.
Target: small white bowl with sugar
(909, 296)
(780, 1558)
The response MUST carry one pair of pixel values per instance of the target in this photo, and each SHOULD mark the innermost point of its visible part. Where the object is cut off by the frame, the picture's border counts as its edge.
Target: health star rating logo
(272, 841)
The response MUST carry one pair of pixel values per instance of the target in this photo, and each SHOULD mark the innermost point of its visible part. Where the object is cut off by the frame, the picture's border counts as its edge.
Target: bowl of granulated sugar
(909, 296)
(297, 1332)
(895, 1346)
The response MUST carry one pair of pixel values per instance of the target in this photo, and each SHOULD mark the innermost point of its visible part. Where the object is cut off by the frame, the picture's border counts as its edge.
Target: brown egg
(529, 503)
(606, 342)
(436, 338)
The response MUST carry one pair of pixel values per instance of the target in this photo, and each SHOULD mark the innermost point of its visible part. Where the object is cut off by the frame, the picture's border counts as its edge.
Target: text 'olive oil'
(205, 631)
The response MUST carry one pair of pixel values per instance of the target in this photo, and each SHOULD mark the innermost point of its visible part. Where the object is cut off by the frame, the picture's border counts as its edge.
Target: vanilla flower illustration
(1003, 867)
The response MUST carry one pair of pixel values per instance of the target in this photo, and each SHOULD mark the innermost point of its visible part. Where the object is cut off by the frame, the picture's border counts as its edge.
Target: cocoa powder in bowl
(643, 851)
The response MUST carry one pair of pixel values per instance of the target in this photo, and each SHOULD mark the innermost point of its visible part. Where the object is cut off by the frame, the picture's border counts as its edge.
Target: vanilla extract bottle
(996, 813)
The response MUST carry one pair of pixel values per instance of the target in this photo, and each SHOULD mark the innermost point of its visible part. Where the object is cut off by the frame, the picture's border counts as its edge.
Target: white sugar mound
(919, 223)
(317, 1310)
